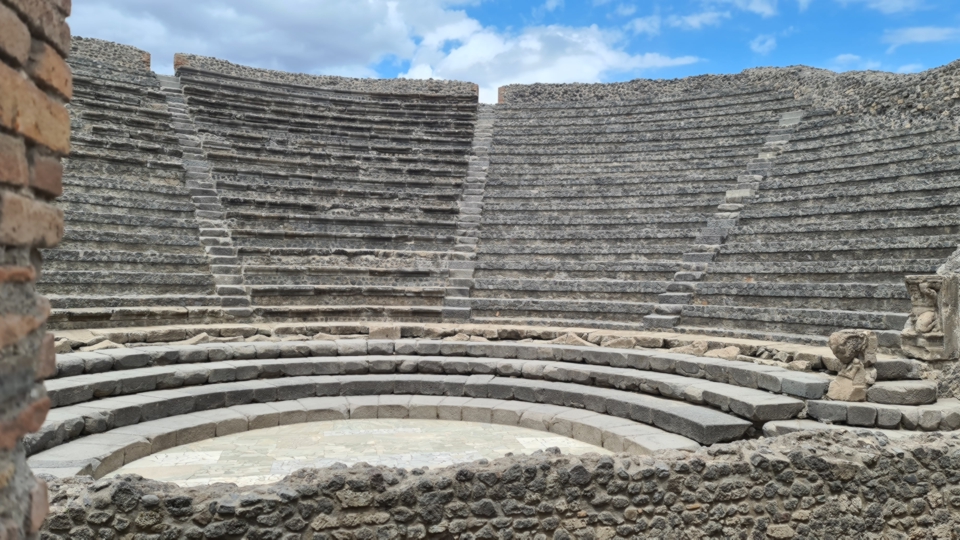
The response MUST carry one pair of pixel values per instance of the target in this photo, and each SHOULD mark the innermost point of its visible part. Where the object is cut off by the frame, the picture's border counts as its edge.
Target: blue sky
(498, 42)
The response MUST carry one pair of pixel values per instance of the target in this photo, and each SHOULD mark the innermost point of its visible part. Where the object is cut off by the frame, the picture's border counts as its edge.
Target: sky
(499, 42)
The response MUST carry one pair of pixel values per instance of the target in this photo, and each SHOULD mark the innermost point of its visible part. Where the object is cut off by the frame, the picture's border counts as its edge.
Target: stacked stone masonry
(35, 85)
(804, 486)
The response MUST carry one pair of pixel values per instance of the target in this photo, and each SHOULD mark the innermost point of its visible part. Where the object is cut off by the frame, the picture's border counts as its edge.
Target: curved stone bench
(700, 423)
(750, 404)
(748, 375)
(98, 455)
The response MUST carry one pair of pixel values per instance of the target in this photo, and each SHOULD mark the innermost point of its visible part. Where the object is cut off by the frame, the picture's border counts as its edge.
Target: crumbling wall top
(108, 52)
(328, 82)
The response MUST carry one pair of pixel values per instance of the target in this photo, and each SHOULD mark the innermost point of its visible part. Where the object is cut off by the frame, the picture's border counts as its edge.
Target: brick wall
(35, 84)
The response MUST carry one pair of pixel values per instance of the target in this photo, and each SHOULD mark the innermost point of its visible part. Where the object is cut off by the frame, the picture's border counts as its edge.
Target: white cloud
(888, 6)
(645, 25)
(548, 54)
(551, 5)
(910, 68)
(803, 4)
(765, 8)
(763, 44)
(625, 10)
(919, 34)
(851, 62)
(697, 21)
(353, 37)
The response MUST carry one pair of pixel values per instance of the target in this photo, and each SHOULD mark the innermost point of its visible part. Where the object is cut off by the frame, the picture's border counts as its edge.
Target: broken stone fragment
(726, 353)
(697, 348)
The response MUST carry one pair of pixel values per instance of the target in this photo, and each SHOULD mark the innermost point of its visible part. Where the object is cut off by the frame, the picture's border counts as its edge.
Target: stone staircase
(457, 301)
(708, 243)
(214, 232)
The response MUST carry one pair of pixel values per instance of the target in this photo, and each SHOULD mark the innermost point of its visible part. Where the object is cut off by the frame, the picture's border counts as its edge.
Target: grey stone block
(476, 386)
(128, 358)
(93, 362)
(368, 385)
(903, 392)
(888, 417)
(322, 348)
(351, 347)
(394, 406)
(258, 415)
(450, 408)
(322, 409)
(698, 423)
(294, 350)
(425, 407)
(427, 347)
(380, 346)
(861, 414)
(291, 412)
(405, 346)
(267, 350)
(827, 411)
(361, 407)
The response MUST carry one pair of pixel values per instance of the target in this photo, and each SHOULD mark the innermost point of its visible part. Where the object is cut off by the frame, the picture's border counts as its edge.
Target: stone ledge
(98, 455)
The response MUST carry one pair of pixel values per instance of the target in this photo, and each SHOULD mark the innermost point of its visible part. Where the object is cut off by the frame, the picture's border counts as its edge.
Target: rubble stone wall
(122, 56)
(824, 485)
(35, 83)
(392, 86)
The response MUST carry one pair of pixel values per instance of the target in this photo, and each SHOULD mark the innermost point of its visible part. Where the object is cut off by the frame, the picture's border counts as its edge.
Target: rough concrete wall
(893, 99)
(329, 82)
(823, 485)
(122, 56)
(35, 83)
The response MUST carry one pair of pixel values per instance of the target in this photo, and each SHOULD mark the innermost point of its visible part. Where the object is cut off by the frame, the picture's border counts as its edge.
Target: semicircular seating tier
(131, 249)
(114, 406)
(338, 203)
(213, 196)
(593, 209)
(845, 213)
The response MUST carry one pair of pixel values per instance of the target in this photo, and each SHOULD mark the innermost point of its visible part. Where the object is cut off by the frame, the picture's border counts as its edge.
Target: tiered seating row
(847, 212)
(131, 249)
(304, 173)
(590, 208)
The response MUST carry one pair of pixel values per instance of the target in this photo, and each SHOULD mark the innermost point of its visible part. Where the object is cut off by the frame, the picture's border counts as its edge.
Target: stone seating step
(943, 415)
(58, 301)
(351, 312)
(926, 247)
(750, 404)
(245, 96)
(770, 378)
(609, 310)
(850, 296)
(682, 100)
(889, 271)
(702, 424)
(738, 113)
(118, 317)
(813, 322)
(100, 454)
(898, 392)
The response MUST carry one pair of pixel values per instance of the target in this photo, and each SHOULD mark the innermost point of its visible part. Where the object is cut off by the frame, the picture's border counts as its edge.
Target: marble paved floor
(267, 455)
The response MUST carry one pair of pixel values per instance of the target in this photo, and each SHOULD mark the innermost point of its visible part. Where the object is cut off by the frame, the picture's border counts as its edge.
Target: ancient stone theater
(238, 303)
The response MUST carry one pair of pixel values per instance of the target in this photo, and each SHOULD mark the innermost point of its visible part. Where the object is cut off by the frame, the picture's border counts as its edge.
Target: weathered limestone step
(943, 415)
(701, 424)
(903, 392)
(100, 454)
(751, 404)
(743, 374)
